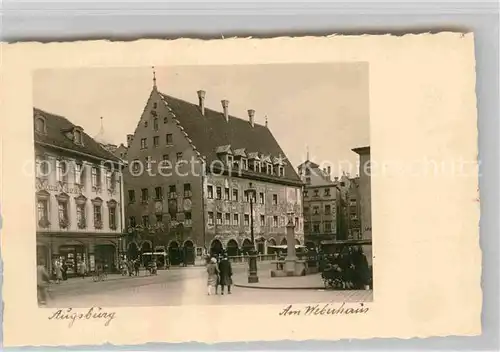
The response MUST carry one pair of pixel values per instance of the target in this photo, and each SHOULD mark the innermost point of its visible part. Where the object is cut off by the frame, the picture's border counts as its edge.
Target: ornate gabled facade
(79, 196)
(197, 165)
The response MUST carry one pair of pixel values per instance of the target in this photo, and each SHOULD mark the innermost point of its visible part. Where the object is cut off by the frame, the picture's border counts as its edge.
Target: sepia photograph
(203, 185)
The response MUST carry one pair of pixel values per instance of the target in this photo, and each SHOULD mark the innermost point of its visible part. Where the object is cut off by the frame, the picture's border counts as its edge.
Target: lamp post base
(252, 272)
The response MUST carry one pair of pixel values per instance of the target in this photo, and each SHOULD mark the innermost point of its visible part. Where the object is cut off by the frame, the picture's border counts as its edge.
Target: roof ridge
(212, 110)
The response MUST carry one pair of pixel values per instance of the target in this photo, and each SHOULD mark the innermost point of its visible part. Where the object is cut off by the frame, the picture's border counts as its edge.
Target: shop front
(71, 255)
(105, 254)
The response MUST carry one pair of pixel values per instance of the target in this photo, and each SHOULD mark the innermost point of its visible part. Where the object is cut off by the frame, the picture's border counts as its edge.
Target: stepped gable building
(198, 163)
(79, 196)
(322, 204)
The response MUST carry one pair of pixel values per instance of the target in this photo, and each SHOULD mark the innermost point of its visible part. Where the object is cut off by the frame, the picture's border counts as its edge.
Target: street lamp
(252, 262)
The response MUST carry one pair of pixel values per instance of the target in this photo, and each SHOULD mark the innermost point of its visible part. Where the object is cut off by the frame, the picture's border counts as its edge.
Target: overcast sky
(323, 106)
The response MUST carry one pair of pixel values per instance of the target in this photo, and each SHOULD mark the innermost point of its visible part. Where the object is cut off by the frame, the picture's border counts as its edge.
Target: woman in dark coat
(361, 267)
(226, 273)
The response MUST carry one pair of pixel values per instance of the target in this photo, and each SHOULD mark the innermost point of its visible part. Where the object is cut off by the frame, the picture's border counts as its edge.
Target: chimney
(225, 104)
(251, 115)
(329, 170)
(201, 101)
(130, 138)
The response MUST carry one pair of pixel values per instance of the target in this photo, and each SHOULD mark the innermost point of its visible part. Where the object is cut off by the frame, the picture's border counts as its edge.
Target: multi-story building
(322, 204)
(189, 172)
(349, 191)
(79, 195)
(365, 197)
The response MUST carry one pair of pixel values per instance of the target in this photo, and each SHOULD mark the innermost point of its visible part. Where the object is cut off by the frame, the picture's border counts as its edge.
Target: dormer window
(269, 169)
(78, 137)
(230, 159)
(244, 164)
(40, 126)
(281, 171)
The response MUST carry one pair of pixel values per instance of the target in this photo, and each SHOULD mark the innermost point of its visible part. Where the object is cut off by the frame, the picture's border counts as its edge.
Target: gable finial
(307, 152)
(154, 77)
(266, 120)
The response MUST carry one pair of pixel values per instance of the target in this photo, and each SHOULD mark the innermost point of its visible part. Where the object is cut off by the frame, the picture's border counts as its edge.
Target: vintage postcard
(240, 190)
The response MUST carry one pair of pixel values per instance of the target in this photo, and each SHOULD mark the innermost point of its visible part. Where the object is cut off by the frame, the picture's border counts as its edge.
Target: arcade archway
(174, 253)
(189, 252)
(297, 242)
(283, 242)
(132, 251)
(247, 246)
(232, 248)
(261, 245)
(216, 248)
(271, 242)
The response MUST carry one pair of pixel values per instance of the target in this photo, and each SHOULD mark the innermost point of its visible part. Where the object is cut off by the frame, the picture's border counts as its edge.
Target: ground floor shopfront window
(71, 256)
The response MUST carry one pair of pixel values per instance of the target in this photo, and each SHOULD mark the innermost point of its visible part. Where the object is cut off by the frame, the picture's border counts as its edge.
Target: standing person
(82, 269)
(137, 266)
(213, 276)
(362, 269)
(130, 267)
(226, 274)
(58, 271)
(42, 283)
(64, 269)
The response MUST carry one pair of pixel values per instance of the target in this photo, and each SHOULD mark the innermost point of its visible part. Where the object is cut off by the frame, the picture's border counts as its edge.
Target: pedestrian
(362, 269)
(213, 276)
(42, 281)
(130, 267)
(137, 266)
(226, 273)
(82, 269)
(58, 271)
(64, 271)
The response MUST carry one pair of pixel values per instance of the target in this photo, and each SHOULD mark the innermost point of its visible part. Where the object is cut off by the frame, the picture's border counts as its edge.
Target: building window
(210, 218)
(327, 192)
(296, 222)
(275, 199)
(226, 193)
(187, 218)
(145, 124)
(144, 195)
(110, 182)
(158, 193)
(281, 171)
(96, 177)
(308, 171)
(179, 156)
(187, 190)
(219, 193)
(80, 216)
(305, 194)
(62, 171)
(244, 163)
(131, 196)
(148, 163)
(156, 141)
(131, 221)
(235, 195)
(78, 174)
(169, 139)
(275, 221)
(316, 228)
(155, 124)
(308, 180)
(77, 135)
(328, 226)
(210, 192)
(40, 125)
(227, 219)
(328, 209)
(269, 169)
(145, 221)
(342, 184)
(316, 192)
(236, 219)
(136, 165)
(112, 218)
(159, 218)
(165, 157)
(42, 166)
(262, 220)
(247, 220)
(172, 192)
(165, 119)
(219, 218)
(261, 198)
(43, 213)
(97, 216)
(144, 143)
(63, 214)
(315, 210)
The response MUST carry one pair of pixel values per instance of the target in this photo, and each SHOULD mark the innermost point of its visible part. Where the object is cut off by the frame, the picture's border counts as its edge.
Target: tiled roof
(55, 136)
(211, 130)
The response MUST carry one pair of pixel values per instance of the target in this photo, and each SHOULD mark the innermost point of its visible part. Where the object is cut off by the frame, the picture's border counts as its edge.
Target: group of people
(130, 267)
(220, 273)
(348, 266)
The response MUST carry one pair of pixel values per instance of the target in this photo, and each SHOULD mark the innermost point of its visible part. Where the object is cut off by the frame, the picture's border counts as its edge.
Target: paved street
(184, 286)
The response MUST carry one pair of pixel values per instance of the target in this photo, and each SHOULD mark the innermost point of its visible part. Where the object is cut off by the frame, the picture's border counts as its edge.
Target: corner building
(79, 196)
(190, 198)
